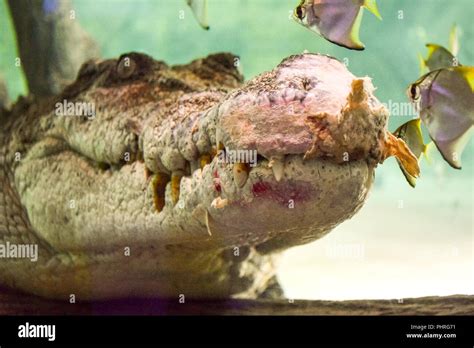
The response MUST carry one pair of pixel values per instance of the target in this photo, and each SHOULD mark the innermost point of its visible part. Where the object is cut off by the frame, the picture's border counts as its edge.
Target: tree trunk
(51, 43)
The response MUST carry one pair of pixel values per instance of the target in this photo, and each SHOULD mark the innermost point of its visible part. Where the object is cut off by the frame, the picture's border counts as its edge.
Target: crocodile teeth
(219, 144)
(204, 160)
(175, 186)
(158, 183)
(241, 173)
(219, 203)
(207, 223)
(278, 166)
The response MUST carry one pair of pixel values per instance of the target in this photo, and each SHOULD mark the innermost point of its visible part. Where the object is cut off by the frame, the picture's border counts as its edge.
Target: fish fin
(353, 46)
(410, 179)
(354, 34)
(371, 5)
(452, 150)
(354, 40)
(454, 40)
(422, 64)
(417, 122)
(446, 150)
(428, 152)
(199, 8)
(394, 146)
(337, 22)
(439, 57)
(468, 73)
(431, 49)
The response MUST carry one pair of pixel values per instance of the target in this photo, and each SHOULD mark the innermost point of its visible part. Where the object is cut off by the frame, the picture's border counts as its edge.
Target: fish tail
(371, 5)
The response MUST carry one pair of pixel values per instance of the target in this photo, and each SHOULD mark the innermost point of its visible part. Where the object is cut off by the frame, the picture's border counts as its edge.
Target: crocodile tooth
(158, 183)
(241, 173)
(219, 203)
(175, 186)
(218, 136)
(148, 173)
(219, 144)
(278, 165)
(204, 160)
(207, 223)
(213, 153)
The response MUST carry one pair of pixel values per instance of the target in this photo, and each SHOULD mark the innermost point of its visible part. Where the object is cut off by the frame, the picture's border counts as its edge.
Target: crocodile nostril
(307, 84)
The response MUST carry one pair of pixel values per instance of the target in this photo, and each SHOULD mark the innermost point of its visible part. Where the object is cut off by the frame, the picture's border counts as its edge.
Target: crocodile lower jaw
(276, 202)
(220, 248)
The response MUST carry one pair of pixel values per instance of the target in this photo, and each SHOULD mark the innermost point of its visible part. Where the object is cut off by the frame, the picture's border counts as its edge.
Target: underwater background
(404, 242)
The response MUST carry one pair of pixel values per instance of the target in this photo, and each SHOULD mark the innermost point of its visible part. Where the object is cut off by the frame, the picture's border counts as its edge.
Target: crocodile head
(296, 148)
(185, 181)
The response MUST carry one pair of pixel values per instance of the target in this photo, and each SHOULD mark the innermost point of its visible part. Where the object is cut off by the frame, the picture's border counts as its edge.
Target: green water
(262, 33)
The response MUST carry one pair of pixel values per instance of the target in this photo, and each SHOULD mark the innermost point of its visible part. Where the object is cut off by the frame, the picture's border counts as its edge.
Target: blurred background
(404, 242)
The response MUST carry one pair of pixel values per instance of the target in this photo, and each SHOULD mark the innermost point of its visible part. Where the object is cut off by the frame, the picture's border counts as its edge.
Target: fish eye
(300, 12)
(415, 92)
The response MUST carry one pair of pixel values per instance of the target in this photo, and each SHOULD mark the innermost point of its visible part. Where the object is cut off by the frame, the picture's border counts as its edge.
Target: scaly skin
(87, 191)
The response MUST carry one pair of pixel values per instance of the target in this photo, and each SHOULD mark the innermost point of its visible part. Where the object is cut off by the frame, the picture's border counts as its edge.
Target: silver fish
(338, 21)
(411, 134)
(445, 101)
